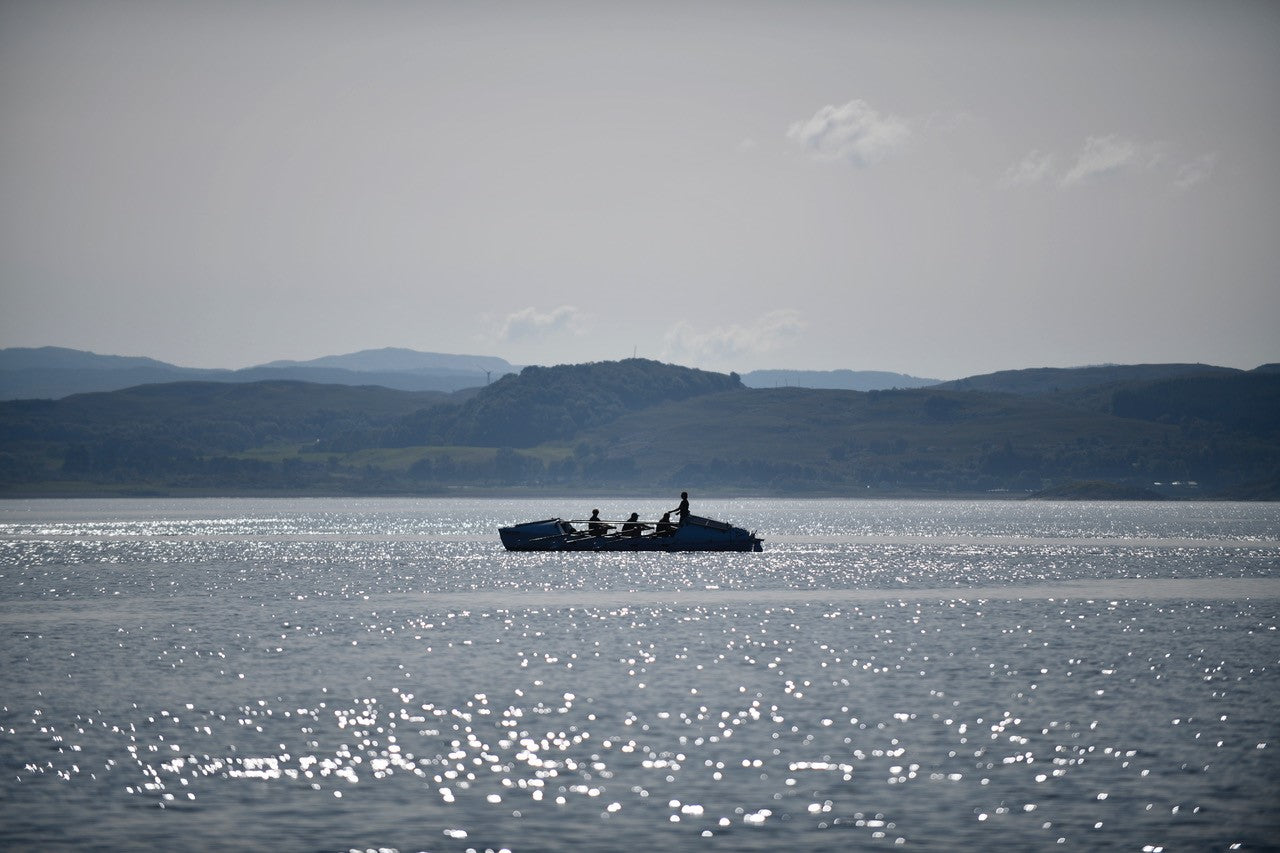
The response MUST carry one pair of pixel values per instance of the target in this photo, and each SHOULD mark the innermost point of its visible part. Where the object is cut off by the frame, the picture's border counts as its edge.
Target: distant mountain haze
(38, 358)
(847, 380)
(638, 425)
(1043, 380)
(393, 359)
(56, 372)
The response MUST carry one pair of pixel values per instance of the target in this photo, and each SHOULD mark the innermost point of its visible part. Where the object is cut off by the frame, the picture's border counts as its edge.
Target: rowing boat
(695, 533)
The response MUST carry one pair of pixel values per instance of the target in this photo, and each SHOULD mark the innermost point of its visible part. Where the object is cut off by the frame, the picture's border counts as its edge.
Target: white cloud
(723, 343)
(531, 324)
(854, 132)
(1032, 169)
(1103, 155)
(1194, 172)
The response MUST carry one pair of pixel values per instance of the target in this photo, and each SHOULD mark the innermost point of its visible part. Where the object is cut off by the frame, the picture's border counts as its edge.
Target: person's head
(595, 513)
(684, 495)
(666, 516)
(635, 516)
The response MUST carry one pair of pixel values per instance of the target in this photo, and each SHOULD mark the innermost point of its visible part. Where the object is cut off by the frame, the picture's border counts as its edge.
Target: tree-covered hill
(1236, 402)
(805, 440)
(842, 380)
(639, 424)
(167, 427)
(1247, 402)
(258, 412)
(543, 404)
(1053, 380)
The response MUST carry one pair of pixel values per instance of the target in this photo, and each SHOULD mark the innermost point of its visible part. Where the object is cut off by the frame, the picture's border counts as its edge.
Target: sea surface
(333, 675)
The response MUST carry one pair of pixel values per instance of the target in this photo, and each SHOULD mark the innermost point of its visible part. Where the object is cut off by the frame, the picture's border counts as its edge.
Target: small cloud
(1104, 155)
(531, 324)
(1195, 172)
(748, 144)
(854, 132)
(724, 343)
(1032, 169)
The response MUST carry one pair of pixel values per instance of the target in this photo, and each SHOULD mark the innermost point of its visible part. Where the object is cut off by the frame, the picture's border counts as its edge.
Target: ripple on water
(435, 693)
(978, 721)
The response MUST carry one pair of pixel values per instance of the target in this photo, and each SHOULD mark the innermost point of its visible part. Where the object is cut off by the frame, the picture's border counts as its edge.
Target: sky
(941, 189)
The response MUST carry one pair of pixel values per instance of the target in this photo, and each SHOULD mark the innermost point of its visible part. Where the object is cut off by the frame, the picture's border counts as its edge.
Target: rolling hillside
(52, 373)
(836, 380)
(804, 440)
(158, 432)
(1053, 380)
(641, 425)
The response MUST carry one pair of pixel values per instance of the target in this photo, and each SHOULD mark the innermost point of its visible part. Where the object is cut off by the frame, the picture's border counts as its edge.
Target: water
(378, 674)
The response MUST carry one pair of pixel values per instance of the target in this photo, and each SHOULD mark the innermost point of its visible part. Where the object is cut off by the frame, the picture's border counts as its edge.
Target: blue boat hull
(695, 534)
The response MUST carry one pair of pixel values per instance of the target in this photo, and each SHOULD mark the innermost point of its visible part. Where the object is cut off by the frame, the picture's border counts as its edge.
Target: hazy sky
(940, 189)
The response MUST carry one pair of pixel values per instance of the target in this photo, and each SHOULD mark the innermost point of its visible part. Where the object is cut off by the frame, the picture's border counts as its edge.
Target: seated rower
(634, 526)
(665, 527)
(595, 526)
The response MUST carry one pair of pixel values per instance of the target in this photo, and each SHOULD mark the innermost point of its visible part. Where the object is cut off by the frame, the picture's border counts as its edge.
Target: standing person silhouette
(683, 509)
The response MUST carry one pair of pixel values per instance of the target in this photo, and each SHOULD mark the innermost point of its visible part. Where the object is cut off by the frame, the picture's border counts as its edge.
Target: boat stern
(533, 535)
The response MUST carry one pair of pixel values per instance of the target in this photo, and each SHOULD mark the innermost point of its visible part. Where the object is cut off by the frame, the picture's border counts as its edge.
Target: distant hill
(53, 372)
(1247, 403)
(398, 360)
(230, 435)
(543, 404)
(56, 372)
(213, 434)
(61, 358)
(230, 415)
(842, 380)
(804, 440)
(1050, 380)
(640, 425)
